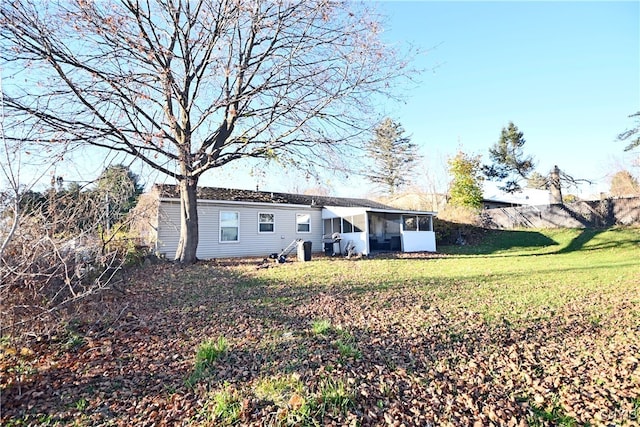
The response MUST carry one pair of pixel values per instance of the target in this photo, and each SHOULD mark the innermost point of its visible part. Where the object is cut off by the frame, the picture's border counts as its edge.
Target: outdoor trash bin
(304, 251)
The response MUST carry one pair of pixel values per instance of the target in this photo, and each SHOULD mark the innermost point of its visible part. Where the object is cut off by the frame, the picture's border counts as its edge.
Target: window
(303, 223)
(332, 225)
(347, 226)
(358, 223)
(229, 226)
(409, 223)
(326, 227)
(335, 223)
(416, 223)
(266, 222)
(424, 223)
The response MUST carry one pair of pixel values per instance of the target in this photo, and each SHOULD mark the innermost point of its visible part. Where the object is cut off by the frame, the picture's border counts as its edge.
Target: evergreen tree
(393, 155)
(509, 162)
(117, 189)
(466, 184)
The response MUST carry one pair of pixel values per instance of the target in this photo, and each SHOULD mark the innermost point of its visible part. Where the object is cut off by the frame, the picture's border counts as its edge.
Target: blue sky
(566, 73)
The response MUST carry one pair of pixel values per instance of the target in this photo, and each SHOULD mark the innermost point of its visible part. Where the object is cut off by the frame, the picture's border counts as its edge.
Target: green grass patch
(279, 389)
(334, 397)
(320, 326)
(516, 275)
(555, 415)
(289, 395)
(348, 350)
(223, 407)
(206, 354)
(210, 350)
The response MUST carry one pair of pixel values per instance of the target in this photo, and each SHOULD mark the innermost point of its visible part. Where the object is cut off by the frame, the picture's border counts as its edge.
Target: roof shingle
(231, 194)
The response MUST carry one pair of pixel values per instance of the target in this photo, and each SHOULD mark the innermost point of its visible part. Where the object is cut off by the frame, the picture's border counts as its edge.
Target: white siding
(251, 242)
(418, 241)
(168, 229)
(359, 241)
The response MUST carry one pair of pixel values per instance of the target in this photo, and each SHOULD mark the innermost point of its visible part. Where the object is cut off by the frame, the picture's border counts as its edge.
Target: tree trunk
(188, 244)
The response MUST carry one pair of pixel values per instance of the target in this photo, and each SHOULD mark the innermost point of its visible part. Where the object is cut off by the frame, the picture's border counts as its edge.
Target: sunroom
(369, 230)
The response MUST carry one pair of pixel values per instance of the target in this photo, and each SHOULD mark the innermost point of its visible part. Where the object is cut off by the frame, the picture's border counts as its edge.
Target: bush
(454, 233)
(41, 272)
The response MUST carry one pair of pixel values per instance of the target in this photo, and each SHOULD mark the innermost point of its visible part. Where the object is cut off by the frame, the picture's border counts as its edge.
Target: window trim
(298, 224)
(237, 213)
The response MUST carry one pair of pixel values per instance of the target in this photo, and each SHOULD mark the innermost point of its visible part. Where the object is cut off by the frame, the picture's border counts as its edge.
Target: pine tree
(509, 162)
(119, 188)
(393, 156)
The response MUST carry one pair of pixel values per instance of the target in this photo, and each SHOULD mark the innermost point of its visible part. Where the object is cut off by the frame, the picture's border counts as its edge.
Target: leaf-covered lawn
(535, 328)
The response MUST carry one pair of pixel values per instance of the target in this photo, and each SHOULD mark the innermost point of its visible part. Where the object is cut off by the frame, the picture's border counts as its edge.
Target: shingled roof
(236, 195)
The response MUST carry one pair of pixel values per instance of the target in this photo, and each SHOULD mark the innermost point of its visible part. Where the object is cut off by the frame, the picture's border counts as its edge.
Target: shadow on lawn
(578, 242)
(584, 241)
(503, 240)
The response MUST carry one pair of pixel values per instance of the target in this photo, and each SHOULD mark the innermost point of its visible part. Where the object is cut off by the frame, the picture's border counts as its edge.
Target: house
(493, 197)
(237, 223)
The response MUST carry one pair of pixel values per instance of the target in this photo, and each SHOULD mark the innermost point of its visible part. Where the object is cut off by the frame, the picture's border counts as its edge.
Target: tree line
(394, 157)
(99, 205)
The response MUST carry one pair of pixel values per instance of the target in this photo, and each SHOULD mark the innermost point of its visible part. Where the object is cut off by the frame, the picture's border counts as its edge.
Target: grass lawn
(528, 328)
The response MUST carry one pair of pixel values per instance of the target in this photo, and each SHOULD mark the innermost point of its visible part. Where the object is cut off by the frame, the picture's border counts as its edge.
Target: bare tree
(623, 184)
(55, 251)
(21, 167)
(189, 86)
(38, 271)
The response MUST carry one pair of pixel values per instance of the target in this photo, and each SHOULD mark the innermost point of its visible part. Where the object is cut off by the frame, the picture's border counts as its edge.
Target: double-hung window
(266, 222)
(229, 226)
(303, 223)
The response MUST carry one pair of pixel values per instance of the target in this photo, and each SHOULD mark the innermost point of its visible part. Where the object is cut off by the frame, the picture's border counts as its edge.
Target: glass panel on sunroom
(424, 223)
(409, 223)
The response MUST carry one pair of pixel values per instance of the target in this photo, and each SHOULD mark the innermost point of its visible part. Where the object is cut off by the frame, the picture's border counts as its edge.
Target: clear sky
(566, 73)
